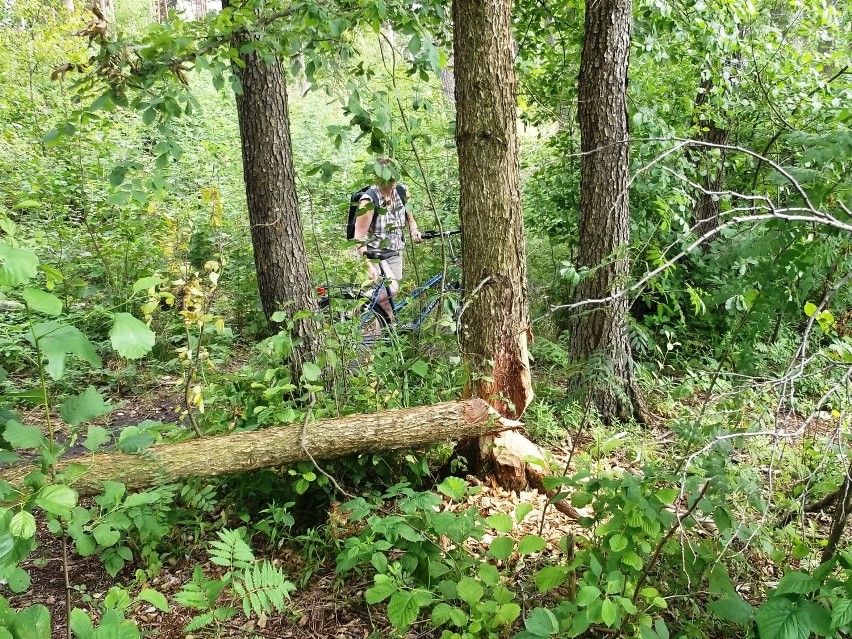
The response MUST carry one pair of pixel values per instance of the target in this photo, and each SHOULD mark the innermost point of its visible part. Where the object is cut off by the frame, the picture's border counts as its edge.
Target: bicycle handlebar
(431, 235)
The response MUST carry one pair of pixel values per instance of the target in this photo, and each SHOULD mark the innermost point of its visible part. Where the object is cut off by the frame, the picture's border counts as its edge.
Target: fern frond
(231, 551)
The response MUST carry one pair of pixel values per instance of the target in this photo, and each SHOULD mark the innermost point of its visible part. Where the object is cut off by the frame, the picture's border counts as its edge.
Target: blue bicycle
(347, 303)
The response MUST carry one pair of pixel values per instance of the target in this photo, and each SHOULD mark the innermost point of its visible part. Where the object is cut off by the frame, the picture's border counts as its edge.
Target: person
(385, 229)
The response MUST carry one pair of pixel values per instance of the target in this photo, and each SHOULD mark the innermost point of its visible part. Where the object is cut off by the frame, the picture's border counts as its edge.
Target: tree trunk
(282, 445)
(283, 276)
(710, 161)
(495, 320)
(599, 332)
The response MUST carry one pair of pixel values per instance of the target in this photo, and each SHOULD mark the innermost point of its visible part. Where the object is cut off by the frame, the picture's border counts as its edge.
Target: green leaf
(144, 283)
(720, 581)
(489, 574)
(798, 583)
(501, 522)
(530, 544)
(81, 625)
(156, 599)
(105, 535)
(57, 341)
(17, 579)
(130, 337)
(403, 609)
(618, 542)
(469, 590)
(278, 316)
(501, 547)
(20, 436)
(23, 525)
(33, 622)
(17, 266)
(841, 613)
(42, 302)
(609, 612)
(819, 618)
(96, 436)
(732, 607)
(586, 595)
(549, 577)
(810, 309)
(420, 368)
(522, 511)
(27, 204)
(383, 588)
(311, 372)
(781, 618)
(56, 499)
(541, 622)
(667, 495)
(453, 487)
(84, 407)
(507, 613)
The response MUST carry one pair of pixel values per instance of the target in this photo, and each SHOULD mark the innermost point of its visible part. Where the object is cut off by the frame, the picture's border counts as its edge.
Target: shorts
(393, 269)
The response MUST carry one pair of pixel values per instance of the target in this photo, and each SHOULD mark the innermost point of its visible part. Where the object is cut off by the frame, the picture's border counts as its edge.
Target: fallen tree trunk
(284, 445)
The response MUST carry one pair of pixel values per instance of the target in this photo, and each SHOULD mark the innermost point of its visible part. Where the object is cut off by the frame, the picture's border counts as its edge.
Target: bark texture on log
(282, 445)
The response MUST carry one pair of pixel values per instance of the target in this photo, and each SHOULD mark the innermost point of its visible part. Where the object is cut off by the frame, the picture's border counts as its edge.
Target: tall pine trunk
(599, 331)
(495, 321)
(283, 276)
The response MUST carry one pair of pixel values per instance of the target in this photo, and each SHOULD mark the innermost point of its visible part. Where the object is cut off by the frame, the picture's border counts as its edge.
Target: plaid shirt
(388, 225)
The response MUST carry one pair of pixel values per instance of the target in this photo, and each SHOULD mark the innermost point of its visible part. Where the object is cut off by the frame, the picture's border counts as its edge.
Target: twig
(303, 443)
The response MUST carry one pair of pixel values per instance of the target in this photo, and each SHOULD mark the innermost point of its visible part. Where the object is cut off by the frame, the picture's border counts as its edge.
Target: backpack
(355, 200)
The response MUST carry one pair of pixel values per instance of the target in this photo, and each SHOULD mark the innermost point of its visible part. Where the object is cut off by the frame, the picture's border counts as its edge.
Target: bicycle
(349, 303)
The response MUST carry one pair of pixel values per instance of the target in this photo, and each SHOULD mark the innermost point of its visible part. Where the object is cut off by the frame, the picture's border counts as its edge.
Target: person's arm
(362, 227)
(363, 222)
(412, 223)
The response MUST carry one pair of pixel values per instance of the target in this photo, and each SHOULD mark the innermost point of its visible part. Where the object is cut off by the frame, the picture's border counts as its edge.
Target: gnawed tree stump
(283, 445)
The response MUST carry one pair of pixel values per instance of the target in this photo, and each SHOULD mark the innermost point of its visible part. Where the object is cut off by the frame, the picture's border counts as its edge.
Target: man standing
(383, 227)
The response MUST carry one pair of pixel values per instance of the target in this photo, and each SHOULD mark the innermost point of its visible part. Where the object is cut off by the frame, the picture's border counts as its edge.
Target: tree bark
(599, 332)
(282, 445)
(283, 276)
(495, 320)
(711, 161)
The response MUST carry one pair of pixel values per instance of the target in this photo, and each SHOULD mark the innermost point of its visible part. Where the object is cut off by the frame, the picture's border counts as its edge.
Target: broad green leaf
(781, 618)
(541, 622)
(732, 607)
(27, 204)
(586, 595)
(441, 614)
(33, 622)
(42, 302)
(17, 579)
(155, 598)
(403, 609)
(819, 618)
(501, 522)
(105, 535)
(841, 613)
(667, 495)
(130, 337)
(507, 613)
(530, 544)
(549, 577)
(420, 368)
(453, 487)
(84, 407)
(609, 612)
(56, 499)
(383, 588)
(144, 283)
(81, 625)
(720, 581)
(489, 574)
(20, 436)
(23, 525)
(95, 437)
(810, 308)
(469, 590)
(17, 266)
(311, 371)
(501, 547)
(522, 511)
(798, 583)
(57, 341)
(618, 542)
